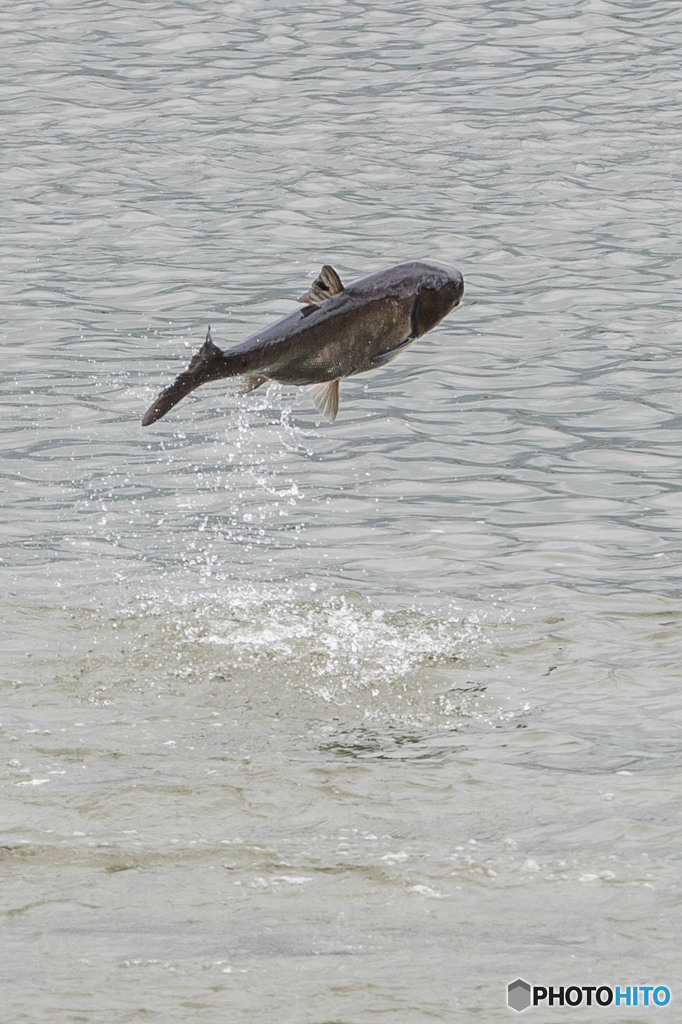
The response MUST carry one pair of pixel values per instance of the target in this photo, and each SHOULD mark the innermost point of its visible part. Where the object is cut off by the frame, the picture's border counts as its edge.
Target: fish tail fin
(208, 364)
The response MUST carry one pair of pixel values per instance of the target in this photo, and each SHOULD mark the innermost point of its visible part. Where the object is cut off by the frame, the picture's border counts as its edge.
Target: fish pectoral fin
(325, 285)
(385, 357)
(326, 398)
(252, 381)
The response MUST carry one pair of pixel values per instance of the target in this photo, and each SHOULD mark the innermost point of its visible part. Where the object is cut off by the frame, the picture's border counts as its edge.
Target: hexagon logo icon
(518, 995)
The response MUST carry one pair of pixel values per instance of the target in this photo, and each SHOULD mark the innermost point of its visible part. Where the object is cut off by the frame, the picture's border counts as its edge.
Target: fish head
(439, 289)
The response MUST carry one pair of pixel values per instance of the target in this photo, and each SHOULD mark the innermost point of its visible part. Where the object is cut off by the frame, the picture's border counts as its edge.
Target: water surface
(359, 722)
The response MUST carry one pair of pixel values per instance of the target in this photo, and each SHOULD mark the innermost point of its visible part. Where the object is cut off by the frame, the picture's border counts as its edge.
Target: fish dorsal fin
(325, 285)
(326, 398)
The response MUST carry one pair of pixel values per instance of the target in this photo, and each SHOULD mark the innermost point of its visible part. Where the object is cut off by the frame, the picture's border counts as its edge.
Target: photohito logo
(521, 995)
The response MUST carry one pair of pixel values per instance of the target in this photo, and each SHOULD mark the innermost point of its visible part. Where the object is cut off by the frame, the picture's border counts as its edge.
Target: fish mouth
(459, 291)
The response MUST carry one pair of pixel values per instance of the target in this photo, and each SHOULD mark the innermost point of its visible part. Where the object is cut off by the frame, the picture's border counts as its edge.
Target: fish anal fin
(325, 286)
(326, 398)
(251, 381)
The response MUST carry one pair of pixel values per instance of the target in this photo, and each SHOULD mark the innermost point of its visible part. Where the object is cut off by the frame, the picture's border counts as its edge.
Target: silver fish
(339, 332)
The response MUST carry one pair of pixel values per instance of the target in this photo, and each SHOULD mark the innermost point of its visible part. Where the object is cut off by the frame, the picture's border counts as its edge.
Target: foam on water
(343, 649)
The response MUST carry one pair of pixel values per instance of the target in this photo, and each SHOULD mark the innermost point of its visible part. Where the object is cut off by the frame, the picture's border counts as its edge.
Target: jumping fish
(340, 331)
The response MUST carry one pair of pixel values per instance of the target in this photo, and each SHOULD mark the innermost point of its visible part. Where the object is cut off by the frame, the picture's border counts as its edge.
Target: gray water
(344, 723)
